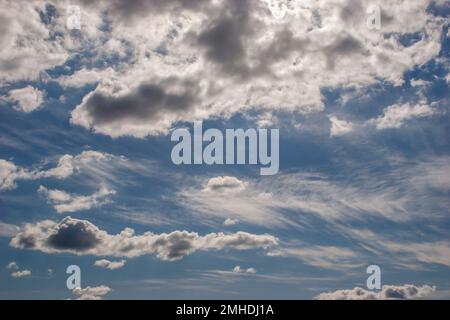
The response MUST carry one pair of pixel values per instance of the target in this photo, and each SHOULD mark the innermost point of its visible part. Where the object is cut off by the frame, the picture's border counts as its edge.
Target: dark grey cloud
(147, 102)
(224, 43)
(176, 245)
(74, 235)
(345, 46)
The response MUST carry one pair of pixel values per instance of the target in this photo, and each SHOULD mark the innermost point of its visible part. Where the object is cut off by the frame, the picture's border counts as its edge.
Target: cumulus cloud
(84, 238)
(67, 165)
(65, 202)
(35, 38)
(238, 269)
(25, 41)
(91, 293)
(396, 115)
(218, 58)
(230, 222)
(27, 99)
(17, 273)
(9, 173)
(212, 59)
(339, 127)
(419, 83)
(388, 292)
(224, 184)
(111, 265)
(21, 273)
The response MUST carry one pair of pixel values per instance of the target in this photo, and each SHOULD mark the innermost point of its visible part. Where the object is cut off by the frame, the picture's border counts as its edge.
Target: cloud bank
(407, 291)
(81, 237)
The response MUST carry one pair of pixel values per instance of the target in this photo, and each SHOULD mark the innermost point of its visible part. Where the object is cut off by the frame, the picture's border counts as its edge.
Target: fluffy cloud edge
(81, 237)
(388, 292)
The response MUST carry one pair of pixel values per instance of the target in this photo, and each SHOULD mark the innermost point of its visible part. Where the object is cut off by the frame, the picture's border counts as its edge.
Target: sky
(90, 93)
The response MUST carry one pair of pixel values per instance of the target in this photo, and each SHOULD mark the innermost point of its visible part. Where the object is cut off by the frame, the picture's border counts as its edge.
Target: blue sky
(86, 117)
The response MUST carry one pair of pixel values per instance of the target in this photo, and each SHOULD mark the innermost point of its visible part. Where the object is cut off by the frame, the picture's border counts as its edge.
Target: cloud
(407, 189)
(407, 291)
(420, 83)
(21, 273)
(65, 202)
(396, 115)
(437, 252)
(8, 230)
(27, 45)
(230, 222)
(238, 269)
(111, 265)
(131, 113)
(408, 252)
(84, 76)
(18, 273)
(91, 293)
(81, 237)
(9, 173)
(27, 99)
(219, 58)
(339, 127)
(225, 184)
(67, 165)
(326, 257)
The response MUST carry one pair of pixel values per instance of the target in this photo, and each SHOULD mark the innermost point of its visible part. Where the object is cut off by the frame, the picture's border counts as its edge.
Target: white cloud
(326, 257)
(428, 252)
(111, 265)
(28, 99)
(9, 173)
(396, 115)
(91, 293)
(238, 269)
(419, 83)
(339, 127)
(230, 222)
(34, 38)
(26, 48)
(67, 165)
(191, 76)
(272, 203)
(8, 230)
(224, 184)
(65, 202)
(322, 45)
(407, 291)
(84, 238)
(21, 273)
(17, 273)
(85, 76)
